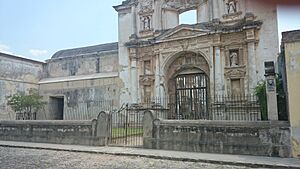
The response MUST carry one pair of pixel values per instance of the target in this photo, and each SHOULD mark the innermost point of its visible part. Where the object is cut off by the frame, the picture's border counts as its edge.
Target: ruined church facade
(155, 57)
(222, 54)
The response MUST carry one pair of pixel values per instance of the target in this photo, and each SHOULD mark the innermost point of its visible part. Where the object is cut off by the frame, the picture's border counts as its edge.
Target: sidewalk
(240, 160)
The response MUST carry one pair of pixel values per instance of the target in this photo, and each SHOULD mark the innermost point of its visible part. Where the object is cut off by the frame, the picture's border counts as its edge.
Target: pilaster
(252, 69)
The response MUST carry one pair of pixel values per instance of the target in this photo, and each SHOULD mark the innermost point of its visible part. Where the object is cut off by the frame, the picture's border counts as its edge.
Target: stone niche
(235, 71)
(232, 10)
(146, 17)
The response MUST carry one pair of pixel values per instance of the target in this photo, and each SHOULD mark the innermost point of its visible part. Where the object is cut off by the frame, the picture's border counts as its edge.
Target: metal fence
(82, 110)
(26, 116)
(88, 110)
(233, 108)
(126, 126)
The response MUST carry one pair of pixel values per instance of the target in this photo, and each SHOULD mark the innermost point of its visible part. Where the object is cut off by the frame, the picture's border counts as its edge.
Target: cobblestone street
(31, 158)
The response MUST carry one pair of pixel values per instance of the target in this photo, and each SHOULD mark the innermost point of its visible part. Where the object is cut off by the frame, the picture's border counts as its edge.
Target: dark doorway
(56, 108)
(191, 96)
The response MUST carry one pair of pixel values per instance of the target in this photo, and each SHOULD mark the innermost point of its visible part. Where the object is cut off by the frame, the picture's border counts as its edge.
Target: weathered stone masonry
(229, 43)
(17, 75)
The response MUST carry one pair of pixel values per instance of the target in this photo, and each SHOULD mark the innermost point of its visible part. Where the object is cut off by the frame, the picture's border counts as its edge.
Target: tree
(26, 105)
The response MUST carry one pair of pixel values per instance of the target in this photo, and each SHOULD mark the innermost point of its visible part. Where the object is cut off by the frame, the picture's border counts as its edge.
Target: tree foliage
(260, 92)
(26, 104)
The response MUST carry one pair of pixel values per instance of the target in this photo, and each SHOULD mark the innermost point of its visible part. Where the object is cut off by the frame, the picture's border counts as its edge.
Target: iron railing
(26, 116)
(81, 110)
(126, 126)
(233, 108)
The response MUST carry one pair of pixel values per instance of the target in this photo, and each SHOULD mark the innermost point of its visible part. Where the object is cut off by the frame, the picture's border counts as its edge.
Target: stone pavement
(238, 160)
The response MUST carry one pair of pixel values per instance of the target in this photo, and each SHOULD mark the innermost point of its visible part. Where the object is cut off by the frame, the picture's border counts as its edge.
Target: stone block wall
(246, 138)
(92, 132)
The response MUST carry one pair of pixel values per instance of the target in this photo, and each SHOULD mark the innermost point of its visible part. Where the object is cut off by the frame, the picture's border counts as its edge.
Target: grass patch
(121, 132)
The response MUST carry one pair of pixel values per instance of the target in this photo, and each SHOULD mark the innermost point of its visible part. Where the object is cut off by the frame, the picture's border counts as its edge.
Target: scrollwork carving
(146, 6)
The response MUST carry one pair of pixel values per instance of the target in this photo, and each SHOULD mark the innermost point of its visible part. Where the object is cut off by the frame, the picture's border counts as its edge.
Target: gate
(191, 96)
(126, 127)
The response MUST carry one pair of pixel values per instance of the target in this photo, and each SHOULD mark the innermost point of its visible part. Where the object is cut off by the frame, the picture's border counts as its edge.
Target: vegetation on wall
(26, 104)
(260, 92)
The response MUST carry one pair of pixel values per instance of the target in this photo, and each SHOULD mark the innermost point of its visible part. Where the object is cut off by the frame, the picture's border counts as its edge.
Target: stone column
(134, 21)
(157, 77)
(134, 76)
(134, 84)
(210, 10)
(203, 13)
(252, 78)
(252, 75)
(212, 71)
(215, 9)
(271, 98)
(219, 77)
(223, 63)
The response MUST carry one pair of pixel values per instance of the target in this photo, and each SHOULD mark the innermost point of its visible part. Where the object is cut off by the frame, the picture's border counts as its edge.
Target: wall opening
(188, 17)
(56, 107)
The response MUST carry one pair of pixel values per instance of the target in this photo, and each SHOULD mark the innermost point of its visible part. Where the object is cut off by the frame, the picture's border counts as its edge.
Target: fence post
(148, 128)
(103, 127)
(156, 134)
(271, 91)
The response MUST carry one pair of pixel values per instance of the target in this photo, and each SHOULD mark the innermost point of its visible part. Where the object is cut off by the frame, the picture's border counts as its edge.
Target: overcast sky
(36, 29)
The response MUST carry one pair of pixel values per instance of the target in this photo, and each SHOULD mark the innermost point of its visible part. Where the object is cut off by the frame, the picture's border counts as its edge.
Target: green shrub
(260, 92)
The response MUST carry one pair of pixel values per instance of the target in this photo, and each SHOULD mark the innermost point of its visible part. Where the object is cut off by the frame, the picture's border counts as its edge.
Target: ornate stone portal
(224, 45)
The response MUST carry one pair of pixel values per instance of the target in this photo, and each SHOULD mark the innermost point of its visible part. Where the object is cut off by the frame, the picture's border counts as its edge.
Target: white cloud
(37, 52)
(5, 49)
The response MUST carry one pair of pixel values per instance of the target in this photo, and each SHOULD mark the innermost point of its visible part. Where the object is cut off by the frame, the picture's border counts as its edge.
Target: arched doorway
(188, 86)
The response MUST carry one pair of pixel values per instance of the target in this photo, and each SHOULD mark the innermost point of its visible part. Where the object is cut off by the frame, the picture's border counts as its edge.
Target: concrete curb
(172, 158)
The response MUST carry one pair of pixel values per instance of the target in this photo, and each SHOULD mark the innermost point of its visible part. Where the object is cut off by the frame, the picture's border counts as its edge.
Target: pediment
(183, 33)
(235, 72)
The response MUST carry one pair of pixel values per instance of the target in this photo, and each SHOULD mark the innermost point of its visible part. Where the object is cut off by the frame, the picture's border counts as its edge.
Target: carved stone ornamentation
(232, 73)
(146, 6)
(146, 12)
(147, 79)
(181, 5)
